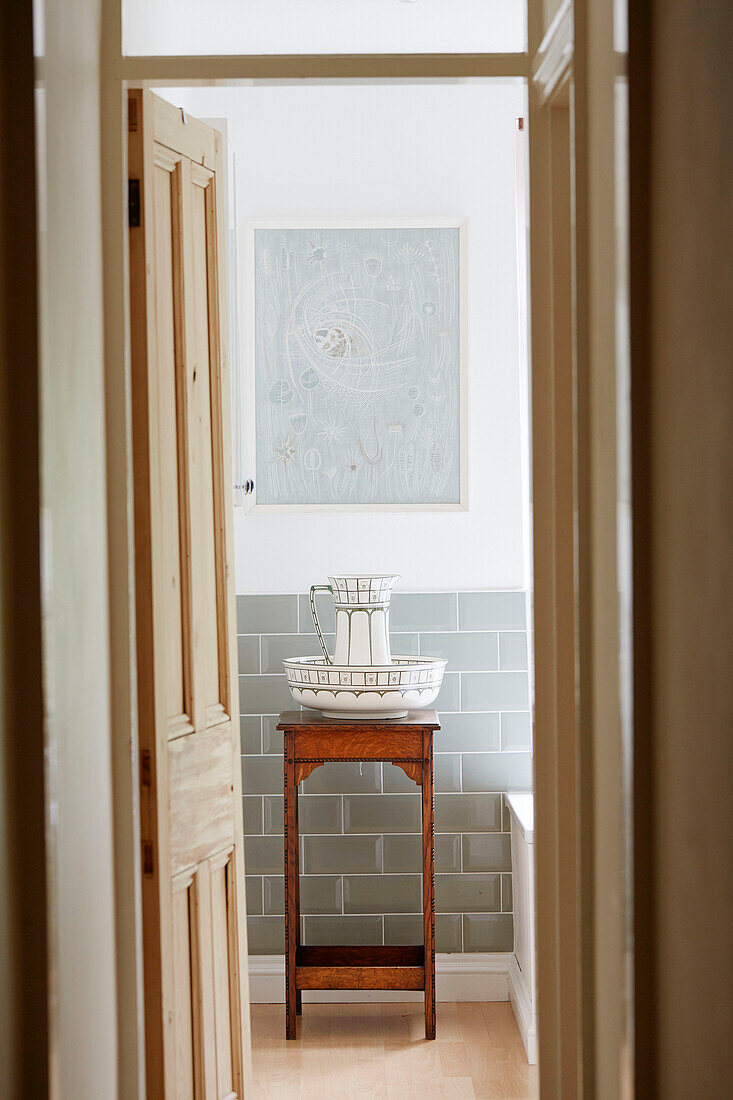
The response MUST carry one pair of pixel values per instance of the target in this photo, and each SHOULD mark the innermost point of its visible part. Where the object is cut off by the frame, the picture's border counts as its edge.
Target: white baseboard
(473, 976)
(524, 1012)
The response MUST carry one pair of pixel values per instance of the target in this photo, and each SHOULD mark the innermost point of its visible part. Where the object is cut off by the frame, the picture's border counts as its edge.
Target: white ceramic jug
(362, 618)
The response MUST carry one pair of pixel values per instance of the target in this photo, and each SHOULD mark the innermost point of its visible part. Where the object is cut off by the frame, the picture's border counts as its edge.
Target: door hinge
(147, 857)
(146, 768)
(133, 204)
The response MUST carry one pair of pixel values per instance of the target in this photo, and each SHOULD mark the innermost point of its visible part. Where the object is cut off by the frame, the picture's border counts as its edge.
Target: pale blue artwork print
(357, 366)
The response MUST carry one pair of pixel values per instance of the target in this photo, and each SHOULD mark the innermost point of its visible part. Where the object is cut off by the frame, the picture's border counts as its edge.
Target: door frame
(555, 612)
(581, 816)
(25, 982)
(593, 650)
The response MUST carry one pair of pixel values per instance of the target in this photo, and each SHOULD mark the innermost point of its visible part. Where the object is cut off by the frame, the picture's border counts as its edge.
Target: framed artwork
(357, 365)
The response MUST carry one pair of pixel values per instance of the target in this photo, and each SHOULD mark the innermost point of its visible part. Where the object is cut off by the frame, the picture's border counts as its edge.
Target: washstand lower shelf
(360, 967)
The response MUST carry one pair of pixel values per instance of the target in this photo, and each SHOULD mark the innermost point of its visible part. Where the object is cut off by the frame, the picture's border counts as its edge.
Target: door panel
(200, 782)
(194, 941)
(222, 990)
(182, 986)
(171, 430)
(205, 347)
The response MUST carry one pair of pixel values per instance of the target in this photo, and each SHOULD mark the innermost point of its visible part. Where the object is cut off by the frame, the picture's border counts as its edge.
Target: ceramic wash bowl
(365, 691)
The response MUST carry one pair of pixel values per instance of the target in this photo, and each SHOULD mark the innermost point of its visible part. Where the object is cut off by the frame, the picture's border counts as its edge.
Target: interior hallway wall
(24, 1033)
(681, 244)
(83, 980)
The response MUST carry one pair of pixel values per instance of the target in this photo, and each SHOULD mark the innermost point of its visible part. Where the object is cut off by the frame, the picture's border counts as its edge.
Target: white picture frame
(460, 503)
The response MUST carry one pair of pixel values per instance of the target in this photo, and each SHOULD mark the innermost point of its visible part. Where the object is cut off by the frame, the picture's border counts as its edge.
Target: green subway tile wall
(360, 825)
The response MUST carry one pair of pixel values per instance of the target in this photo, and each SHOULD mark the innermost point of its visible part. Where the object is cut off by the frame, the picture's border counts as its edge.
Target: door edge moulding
(555, 54)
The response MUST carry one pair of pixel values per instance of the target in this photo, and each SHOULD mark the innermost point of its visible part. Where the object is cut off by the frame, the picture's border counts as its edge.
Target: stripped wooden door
(194, 940)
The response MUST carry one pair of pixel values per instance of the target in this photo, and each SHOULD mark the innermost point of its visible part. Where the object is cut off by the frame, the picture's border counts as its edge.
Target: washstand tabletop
(314, 720)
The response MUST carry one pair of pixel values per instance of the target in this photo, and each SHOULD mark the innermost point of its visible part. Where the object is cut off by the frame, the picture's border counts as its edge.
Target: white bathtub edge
(521, 805)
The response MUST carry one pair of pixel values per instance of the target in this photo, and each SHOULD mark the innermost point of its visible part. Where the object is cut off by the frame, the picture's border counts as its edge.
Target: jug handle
(320, 588)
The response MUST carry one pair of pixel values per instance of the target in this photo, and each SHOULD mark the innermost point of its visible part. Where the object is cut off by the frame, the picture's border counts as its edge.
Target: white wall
(397, 150)
(323, 26)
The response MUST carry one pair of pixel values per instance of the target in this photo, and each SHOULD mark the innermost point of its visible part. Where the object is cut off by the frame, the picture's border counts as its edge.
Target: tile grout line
(394, 633)
(405, 628)
(375, 874)
(445, 713)
(451, 672)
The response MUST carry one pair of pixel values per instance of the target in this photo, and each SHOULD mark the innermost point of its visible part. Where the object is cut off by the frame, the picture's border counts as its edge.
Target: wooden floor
(379, 1050)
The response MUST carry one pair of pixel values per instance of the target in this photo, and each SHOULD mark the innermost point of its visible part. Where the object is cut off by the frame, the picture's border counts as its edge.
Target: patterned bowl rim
(363, 576)
(405, 662)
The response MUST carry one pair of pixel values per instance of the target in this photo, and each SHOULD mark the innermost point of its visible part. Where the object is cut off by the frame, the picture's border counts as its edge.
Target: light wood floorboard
(379, 1051)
